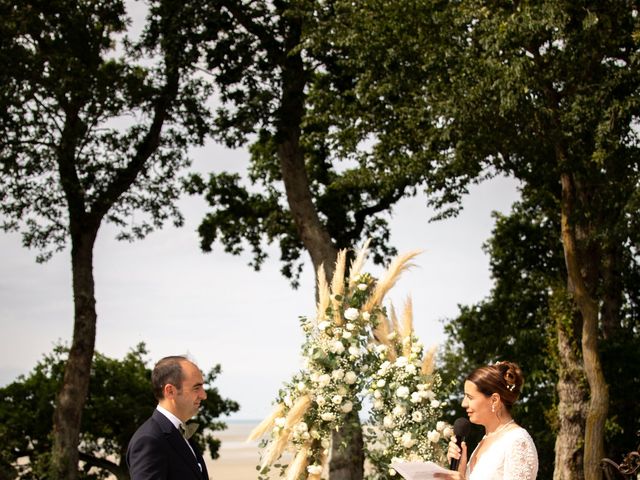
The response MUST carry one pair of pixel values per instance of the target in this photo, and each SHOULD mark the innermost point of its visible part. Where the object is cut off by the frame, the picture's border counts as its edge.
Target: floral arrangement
(352, 348)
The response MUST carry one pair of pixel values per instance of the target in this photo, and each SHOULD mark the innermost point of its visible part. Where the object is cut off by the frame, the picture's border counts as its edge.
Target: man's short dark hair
(167, 371)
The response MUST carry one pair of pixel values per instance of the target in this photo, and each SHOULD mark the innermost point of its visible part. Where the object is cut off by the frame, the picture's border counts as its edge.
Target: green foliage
(286, 84)
(83, 106)
(120, 400)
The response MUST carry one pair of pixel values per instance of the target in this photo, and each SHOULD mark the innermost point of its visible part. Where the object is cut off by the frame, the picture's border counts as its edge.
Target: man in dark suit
(159, 450)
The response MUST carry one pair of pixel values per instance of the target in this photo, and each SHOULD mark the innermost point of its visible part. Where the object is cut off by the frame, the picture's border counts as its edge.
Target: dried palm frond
(266, 424)
(297, 411)
(429, 360)
(357, 264)
(407, 327)
(275, 448)
(299, 463)
(397, 266)
(323, 295)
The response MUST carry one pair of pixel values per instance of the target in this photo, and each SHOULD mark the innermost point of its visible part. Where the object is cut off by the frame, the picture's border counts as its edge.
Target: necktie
(188, 430)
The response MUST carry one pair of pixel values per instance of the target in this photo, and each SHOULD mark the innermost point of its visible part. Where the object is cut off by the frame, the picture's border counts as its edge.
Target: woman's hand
(457, 453)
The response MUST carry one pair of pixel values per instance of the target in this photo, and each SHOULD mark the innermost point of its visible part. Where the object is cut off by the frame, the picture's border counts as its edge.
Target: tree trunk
(588, 306)
(572, 397)
(73, 393)
(347, 452)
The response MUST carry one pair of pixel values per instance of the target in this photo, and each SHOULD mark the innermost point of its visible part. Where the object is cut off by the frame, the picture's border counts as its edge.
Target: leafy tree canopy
(120, 400)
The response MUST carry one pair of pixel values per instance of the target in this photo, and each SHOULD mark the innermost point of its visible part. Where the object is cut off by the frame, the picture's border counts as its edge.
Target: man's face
(186, 399)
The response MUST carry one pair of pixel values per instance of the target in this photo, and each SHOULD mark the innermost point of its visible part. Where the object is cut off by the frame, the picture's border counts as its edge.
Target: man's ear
(169, 390)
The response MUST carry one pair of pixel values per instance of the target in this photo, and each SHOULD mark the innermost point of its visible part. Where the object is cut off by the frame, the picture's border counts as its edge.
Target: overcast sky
(166, 292)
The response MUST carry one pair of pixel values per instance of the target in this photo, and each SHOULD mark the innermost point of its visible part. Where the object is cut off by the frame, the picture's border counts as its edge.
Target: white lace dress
(512, 456)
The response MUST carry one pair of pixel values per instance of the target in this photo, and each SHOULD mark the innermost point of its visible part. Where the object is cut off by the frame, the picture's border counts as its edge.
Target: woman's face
(477, 404)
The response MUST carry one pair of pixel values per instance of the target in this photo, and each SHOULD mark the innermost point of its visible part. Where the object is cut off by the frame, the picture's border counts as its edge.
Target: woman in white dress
(506, 452)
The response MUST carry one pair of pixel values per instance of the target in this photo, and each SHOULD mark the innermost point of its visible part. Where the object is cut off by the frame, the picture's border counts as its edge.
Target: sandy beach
(238, 458)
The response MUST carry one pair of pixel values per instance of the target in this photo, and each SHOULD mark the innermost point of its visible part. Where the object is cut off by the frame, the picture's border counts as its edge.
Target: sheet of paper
(418, 470)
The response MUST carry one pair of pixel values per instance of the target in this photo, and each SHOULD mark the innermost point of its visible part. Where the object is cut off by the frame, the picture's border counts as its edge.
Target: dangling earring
(493, 408)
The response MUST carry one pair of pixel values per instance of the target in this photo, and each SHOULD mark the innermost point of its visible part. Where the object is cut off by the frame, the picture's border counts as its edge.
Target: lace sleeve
(521, 462)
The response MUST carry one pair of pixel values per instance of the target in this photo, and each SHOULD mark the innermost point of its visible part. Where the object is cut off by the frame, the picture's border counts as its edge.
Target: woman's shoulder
(519, 435)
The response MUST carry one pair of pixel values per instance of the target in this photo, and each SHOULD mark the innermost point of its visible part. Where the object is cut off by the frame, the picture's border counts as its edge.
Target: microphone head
(461, 427)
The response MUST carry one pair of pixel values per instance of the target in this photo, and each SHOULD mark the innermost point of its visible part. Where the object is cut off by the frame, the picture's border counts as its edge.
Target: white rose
(346, 335)
(407, 441)
(410, 368)
(366, 316)
(328, 416)
(338, 374)
(324, 380)
(350, 378)
(402, 361)
(387, 421)
(320, 400)
(381, 383)
(398, 411)
(440, 426)
(350, 326)
(435, 403)
(347, 407)
(342, 390)
(323, 325)
(377, 394)
(402, 392)
(416, 417)
(337, 347)
(314, 469)
(429, 394)
(326, 443)
(378, 405)
(433, 436)
(416, 397)
(301, 427)
(447, 432)
(355, 351)
(351, 313)
(337, 399)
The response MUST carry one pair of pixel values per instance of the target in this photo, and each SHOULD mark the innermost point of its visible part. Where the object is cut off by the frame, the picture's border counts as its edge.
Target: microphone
(461, 428)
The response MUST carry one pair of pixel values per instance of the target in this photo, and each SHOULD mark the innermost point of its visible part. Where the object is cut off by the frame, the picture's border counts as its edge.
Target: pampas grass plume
(429, 361)
(299, 464)
(356, 265)
(397, 266)
(297, 411)
(323, 294)
(266, 424)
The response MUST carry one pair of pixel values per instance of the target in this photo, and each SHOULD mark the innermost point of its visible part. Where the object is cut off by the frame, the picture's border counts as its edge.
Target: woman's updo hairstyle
(503, 378)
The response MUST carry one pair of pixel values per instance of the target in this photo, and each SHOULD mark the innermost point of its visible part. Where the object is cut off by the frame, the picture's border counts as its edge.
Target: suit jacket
(157, 451)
